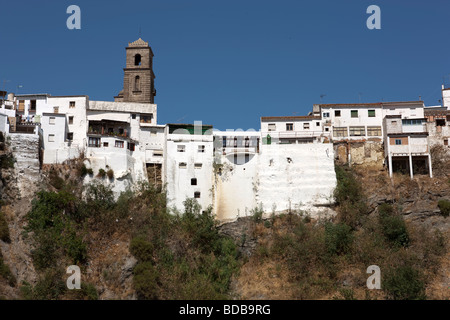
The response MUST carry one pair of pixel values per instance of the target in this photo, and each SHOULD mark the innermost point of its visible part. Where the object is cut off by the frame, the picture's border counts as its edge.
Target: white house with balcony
(292, 129)
(352, 121)
(406, 145)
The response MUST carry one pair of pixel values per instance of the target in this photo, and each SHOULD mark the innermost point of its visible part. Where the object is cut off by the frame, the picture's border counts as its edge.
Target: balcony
(23, 127)
(96, 133)
(146, 121)
(108, 128)
(239, 150)
(291, 134)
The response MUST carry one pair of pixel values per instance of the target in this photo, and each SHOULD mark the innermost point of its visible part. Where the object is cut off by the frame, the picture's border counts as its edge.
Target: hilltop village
(288, 164)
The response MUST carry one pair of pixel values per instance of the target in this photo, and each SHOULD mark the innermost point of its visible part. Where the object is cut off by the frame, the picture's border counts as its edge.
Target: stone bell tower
(139, 79)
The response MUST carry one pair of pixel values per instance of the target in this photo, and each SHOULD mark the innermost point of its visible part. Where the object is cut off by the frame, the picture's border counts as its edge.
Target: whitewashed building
(286, 166)
(188, 164)
(406, 145)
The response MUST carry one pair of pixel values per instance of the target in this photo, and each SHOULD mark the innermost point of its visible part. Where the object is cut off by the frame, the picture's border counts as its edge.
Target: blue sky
(227, 63)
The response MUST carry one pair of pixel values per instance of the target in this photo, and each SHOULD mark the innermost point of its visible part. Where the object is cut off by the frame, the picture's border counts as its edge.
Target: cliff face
(20, 180)
(285, 256)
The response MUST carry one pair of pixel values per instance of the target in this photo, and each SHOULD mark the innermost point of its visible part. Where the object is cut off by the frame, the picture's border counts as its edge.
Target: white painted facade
(293, 130)
(188, 165)
(406, 141)
(278, 178)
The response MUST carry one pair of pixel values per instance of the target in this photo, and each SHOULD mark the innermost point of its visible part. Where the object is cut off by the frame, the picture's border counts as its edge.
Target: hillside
(132, 248)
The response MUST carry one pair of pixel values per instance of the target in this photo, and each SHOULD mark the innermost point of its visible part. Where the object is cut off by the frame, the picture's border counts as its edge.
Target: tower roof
(138, 43)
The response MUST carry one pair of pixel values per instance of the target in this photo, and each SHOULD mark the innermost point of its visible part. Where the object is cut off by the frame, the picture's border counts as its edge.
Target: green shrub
(55, 180)
(82, 171)
(145, 279)
(110, 174)
(50, 286)
(348, 188)
(385, 209)
(4, 230)
(404, 283)
(444, 206)
(89, 291)
(141, 249)
(51, 219)
(349, 196)
(393, 226)
(7, 161)
(101, 173)
(257, 213)
(338, 238)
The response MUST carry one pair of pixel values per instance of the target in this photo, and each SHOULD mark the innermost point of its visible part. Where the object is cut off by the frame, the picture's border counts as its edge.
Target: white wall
(305, 182)
(178, 179)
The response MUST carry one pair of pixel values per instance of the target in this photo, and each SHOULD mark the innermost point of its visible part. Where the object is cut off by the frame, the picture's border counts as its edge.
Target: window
(131, 146)
(272, 127)
(357, 131)
(371, 113)
(289, 126)
(21, 106)
(137, 60)
(137, 83)
(235, 142)
(198, 166)
(326, 114)
(120, 130)
(201, 148)
(306, 126)
(224, 142)
(51, 120)
(118, 144)
(327, 129)
(55, 109)
(51, 138)
(72, 104)
(445, 142)
(440, 122)
(181, 148)
(105, 144)
(412, 122)
(247, 157)
(197, 194)
(247, 142)
(317, 124)
(193, 181)
(398, 141)
(146, 119)
(32, 105)
(182, 165)
(70, 136)
(374, 131)
(337, 113)
(157, 153)
(339, 131)
(94, 142)
(70, 119)
(354, 113)
(133, 116)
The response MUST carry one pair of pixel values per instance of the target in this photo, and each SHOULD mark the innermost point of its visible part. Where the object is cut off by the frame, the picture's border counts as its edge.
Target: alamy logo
(74, 21)
(374, 21)
(74, 281)
(374, 281)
